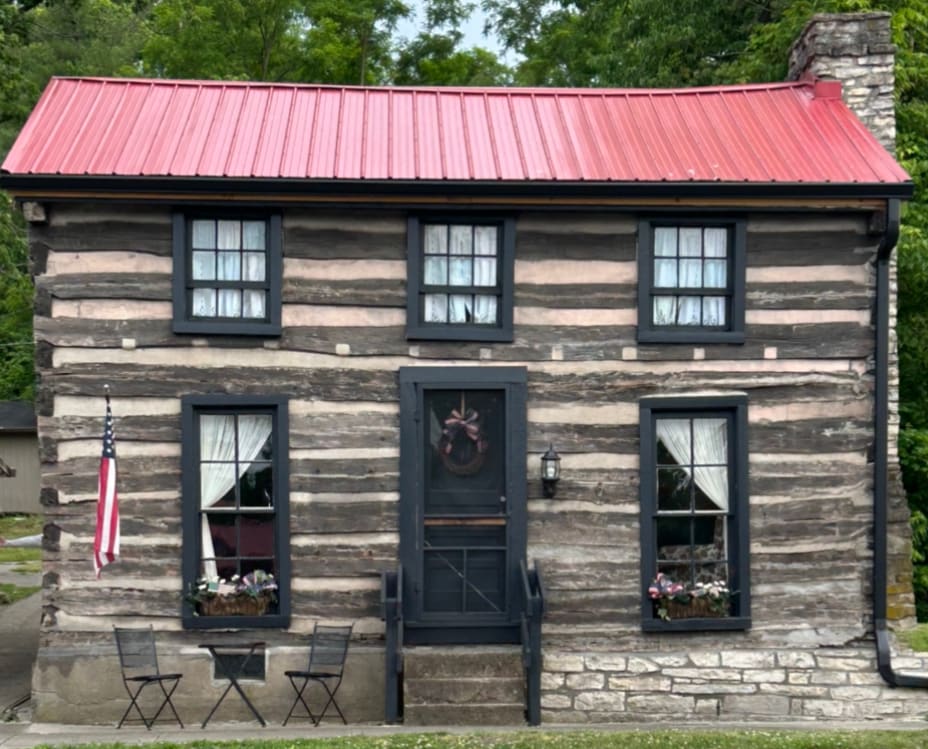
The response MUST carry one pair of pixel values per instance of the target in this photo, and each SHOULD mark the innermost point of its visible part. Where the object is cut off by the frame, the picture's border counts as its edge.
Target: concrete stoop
(463, 685)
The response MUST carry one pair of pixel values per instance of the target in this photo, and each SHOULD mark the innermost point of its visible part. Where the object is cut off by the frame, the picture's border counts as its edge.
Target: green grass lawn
(916, 638)
(14, 526)
(798, 739)
(10, 593)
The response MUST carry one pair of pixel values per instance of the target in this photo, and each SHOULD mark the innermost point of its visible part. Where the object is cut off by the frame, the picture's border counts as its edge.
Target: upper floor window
(460, 279)
(691, 281)
(694, 513)
(227, 275)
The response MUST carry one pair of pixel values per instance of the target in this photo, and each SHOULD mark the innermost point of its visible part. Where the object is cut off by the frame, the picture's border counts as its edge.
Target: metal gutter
(881, 458)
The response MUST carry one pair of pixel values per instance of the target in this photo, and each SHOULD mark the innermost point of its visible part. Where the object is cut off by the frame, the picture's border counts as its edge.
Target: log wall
(103, 315)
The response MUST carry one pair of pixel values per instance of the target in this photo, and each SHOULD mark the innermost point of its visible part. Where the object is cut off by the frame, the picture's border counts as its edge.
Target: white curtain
(709, 453)
(690, 257)
(217, 466)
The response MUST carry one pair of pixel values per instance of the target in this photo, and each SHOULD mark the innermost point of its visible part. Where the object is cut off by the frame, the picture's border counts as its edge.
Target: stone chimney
(855, 49)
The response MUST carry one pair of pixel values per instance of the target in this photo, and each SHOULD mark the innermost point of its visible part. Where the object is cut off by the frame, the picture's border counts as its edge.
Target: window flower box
(250, 595)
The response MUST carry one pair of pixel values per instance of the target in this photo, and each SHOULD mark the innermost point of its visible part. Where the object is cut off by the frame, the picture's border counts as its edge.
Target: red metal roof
(783, 132)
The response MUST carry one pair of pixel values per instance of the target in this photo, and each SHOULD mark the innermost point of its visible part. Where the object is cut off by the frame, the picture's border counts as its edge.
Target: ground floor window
(694, 518)
(235, 511)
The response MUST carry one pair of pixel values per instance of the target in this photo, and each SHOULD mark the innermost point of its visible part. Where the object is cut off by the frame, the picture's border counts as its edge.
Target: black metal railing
(391, 611)
(533, 608)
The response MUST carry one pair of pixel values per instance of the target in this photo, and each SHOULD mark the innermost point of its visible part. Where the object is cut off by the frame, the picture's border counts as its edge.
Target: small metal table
(232, 668)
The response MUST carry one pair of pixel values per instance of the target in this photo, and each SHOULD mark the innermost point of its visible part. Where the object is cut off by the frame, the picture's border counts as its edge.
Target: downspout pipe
(881, 457)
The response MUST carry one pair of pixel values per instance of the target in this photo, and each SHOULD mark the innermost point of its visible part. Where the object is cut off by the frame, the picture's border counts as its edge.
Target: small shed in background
(19, 459)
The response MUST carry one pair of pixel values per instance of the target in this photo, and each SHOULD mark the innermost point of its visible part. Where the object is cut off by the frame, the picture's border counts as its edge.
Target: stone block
(605, 662)
(714, 688)
(551, 681)
(748, 659)
(644, 683)
(795, 690)
(801, 677)
(661, 703)
(756, 704)
(585, 680)
(795, 659)
(638, 665)
(562, 662)
(600, 701)
(856, 693)
(844, 664)
(555, 702)
(672, 660)
(708, 707)
(760, 675)
(704, 674)
(829, 677)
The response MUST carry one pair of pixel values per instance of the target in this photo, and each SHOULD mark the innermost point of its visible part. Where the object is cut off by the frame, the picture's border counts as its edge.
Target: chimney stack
(855, 49)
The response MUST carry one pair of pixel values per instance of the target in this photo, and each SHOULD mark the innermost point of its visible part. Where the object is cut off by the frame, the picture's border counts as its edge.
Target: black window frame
(191, 407)
(183, 321)
(733, 332)
(735, 408)
(416, 327)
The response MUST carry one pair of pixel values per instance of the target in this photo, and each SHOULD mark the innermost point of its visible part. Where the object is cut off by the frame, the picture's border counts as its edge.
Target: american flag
(106, 540)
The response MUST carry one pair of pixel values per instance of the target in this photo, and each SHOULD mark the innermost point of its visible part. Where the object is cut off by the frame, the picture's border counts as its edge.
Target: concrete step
(463, 685)
(464, 715)
(462, 661)
(464, 691)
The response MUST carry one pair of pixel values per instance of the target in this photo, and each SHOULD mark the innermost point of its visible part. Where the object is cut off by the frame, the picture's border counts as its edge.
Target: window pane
(230, 303)
(665, 273)
(253, 235)
(676, 437)
(436, 308)
(690, 241)
(673, 538)
(204, 302)
(673, 489)
(665, 241)
(253, 305)
(460, 272)
(713, 310)
(228, 266)
(459, 308)
(217, 437)
(710, 441)
(665, 310)
(715, 274)
(709, 573)
(256, 487)
(256, 536)
(436, 270)
(485, 271)
(678, 572)
(709, 537)
(485, 240)
(204, 235)
(689, 311)
(217, 485)
(713, 488)
(204, 266)
(229, 235)
(461, 240)
(224, 533)
(716, 240)
(254, 266)
(690, 274)
(436, 239)
(485, 309)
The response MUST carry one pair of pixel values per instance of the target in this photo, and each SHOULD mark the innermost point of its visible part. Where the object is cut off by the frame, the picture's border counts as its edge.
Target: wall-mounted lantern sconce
(550, 472)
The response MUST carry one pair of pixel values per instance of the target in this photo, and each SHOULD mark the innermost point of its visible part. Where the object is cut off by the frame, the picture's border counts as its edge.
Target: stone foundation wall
(726, 685)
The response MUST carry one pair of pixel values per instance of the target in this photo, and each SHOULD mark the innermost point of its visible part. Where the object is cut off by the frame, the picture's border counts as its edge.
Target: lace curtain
(690, 258)
(217, 466)
(709, 446)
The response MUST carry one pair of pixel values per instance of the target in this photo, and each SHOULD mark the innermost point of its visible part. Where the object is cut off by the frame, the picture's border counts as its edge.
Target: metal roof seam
(157, 129)
(365, 120)
(722, 143)
(585, 114)
(263, 132)
(126, 134)
(286, 140)
(312, 135)
(662, 142)
(48, 142)
(467, 141)
(839, 174)
(415, 136)
(562, 117)
(497, 164)
(742, 124)
(336, 157)
(698, 143)
(617, 142)
(545, 146)
(440, 124)
(180, 141)
(209, 132)
(236, 131)
(107, 130)
(75, 141)
(789, 131)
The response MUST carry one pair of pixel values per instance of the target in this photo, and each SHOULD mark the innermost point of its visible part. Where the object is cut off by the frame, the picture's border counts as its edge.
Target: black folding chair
(138, 660)
(326, 663)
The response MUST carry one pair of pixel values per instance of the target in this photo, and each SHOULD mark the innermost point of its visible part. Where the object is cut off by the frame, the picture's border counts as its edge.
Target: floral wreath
(463, 445)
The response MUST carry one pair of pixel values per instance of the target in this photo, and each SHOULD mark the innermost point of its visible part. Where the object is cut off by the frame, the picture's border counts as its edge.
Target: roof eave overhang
(251, 189)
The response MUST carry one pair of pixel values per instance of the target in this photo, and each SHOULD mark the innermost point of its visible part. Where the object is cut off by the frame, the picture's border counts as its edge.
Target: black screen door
(462, 502)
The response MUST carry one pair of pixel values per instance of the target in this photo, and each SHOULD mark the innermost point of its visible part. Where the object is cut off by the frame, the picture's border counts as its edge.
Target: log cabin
(579, 405)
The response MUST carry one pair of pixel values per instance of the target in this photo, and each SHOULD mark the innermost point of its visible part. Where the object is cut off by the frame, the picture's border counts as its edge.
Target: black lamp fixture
(550, 472)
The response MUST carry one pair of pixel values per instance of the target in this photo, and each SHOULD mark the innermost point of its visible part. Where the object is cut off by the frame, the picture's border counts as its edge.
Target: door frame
(413, 381)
